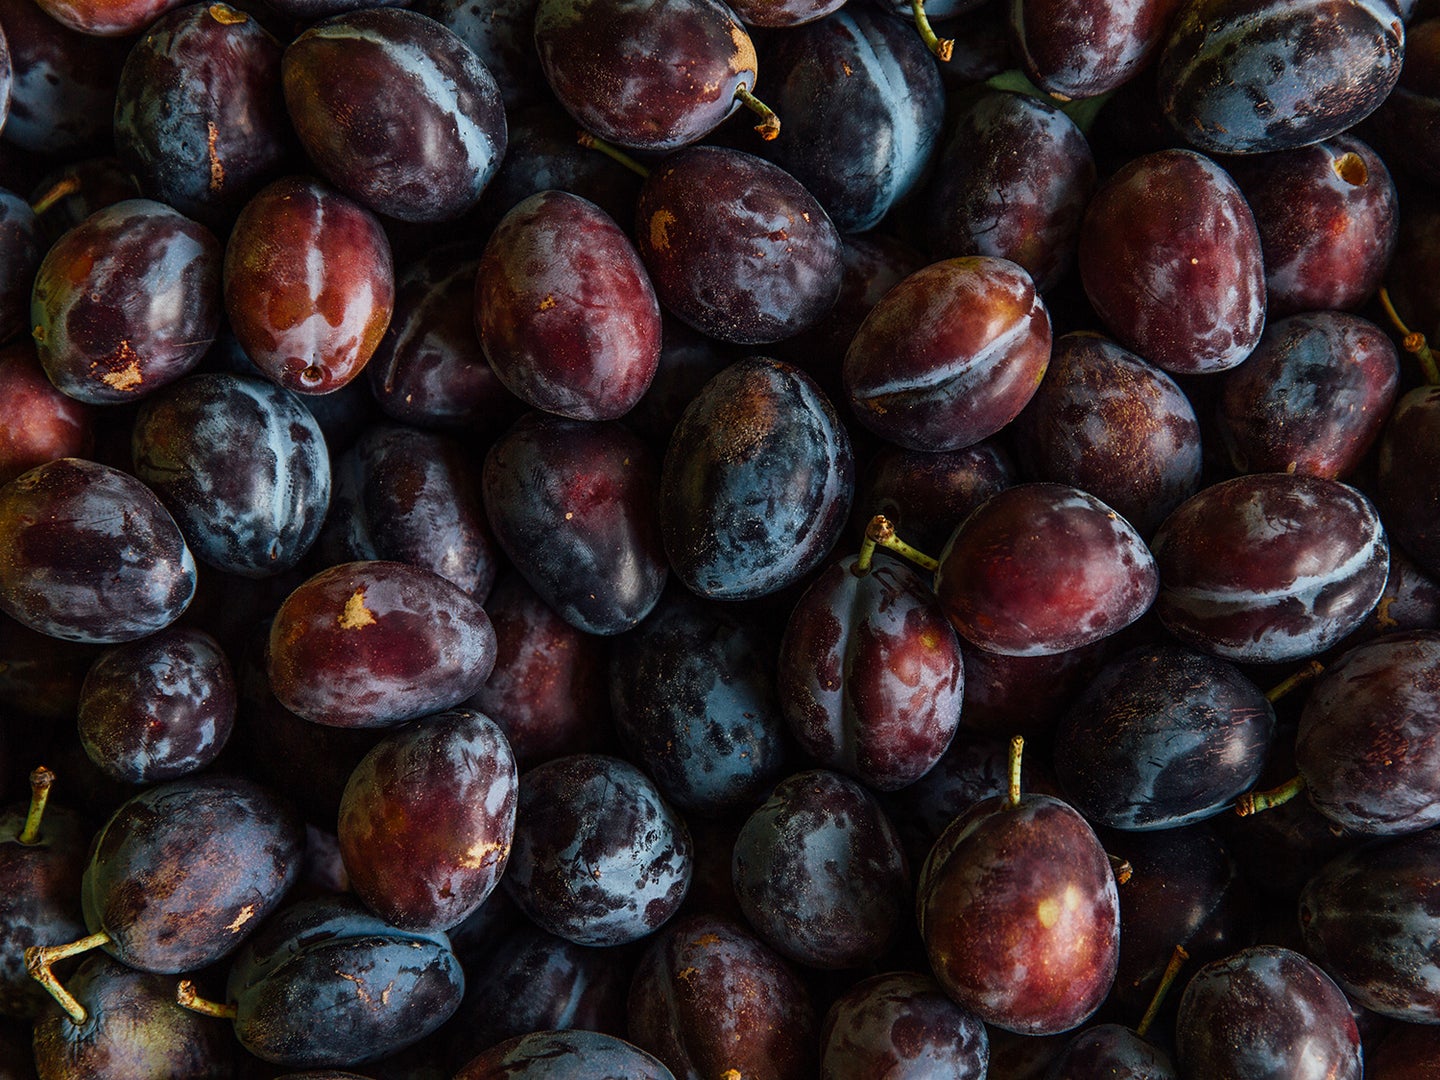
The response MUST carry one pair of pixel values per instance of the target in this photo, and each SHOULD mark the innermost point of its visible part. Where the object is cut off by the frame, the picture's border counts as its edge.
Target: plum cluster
(686, 540)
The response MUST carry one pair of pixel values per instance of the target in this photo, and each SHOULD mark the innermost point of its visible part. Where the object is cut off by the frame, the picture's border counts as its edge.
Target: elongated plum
(950, 355)
(573, 504)
(184, 872)
(757, 482)
(1170, 258)
(737, 247)
(87, 553)
(427, 819)
(369, 644)
(397, 112)
(871, 674)
(1018, 909)
(126, 302)
(1269, 567)
(565, 311)
(1044, 568)
(309, 285)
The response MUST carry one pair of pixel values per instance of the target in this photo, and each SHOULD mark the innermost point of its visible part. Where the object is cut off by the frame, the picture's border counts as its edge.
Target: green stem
(769, 126)
(1300, 678)
(62, 189)
(1412, 341)
(614, 153)
(1167, 980)
(881, 532)
(943, 48)
(1257, 801)
(40, 783)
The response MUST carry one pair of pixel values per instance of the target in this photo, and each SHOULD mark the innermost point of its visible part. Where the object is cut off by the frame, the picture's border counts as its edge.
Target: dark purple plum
(1162, 737)
(736, 247)
(62, 98)
(871, 676)
(598, 857)
(757, 482)
(125, 302)
(64, 198)
(1265, 1013)
(564, 1055)
(1012, 183)
(573, 505)
(107, 18)
(1111, 1052)
(1406, 1052)
(326, 983)
(132, 1027)
(412, 497)
(1024, 695)
(1328, 217)
(950, 355)
(1108, 423)
(46, 424)
(40, 675)
(688, 360)
(694, 699)
(547, 690)
(862, 102)
(1369, 919)
(1170, 258)
(1241, 77)
(501, 34)
(1041, 569)
(370, 644)
(1369, 739)
(645, 74)
(1312, 398)
(1405, 484)
(42, 858)
(309, 285)
(926, 496)
(257, 519)
(199, 116)
(429, 369)
(1080, 48)
(88, 553)
(1269, 567)
(184, 872)
(1411, 601)
(1406, 126)
(534, 981)
(901, 1026)
(709, 999)
(565, 311)
(427, 819)
(1018, 909)
(158, 708)
(21, 249)
(820, 873)
(396, 111)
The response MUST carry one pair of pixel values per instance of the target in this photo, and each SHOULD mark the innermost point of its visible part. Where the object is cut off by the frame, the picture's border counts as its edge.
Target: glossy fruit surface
(901, 1025)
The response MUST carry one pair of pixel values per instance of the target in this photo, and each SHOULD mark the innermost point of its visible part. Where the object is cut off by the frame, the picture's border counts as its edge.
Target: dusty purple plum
(1111, 1052)
(396, 111)
(901, 1026)
(1044, 568)
(369, 644)
(1018, 908)
(1405, 485)
(1266, 1013)
(709, 999)
(87, 553)
(1269, 567)
(22, 246)
(820, 873)
(1078, 49)
(565, 310)
(598, 857)
(950, 355)
(158, 708)
(427, 819)
(564, 1055)
(1170, 258)
(871, 676)
(126, 302)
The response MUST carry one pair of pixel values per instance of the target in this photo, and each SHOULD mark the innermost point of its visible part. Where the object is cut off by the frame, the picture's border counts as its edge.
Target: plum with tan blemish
(1041, 569)
(309, 285)
(126, 302)
(565, 311)
(427, 819)
(950, 355)
(370, 644)
(710, 999)
(736, 247)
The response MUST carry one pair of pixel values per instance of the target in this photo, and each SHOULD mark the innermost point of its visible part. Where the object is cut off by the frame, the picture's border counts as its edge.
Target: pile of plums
(657, 540)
